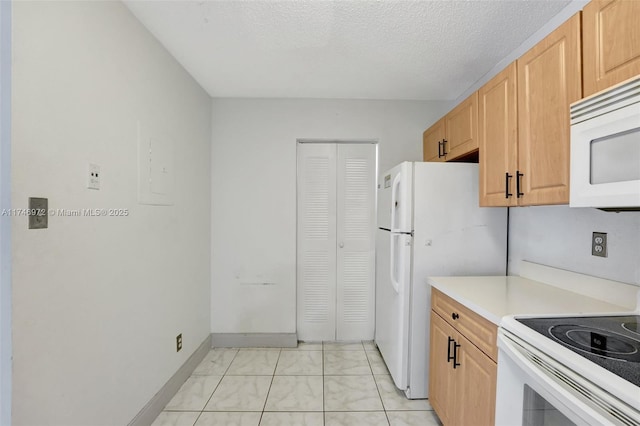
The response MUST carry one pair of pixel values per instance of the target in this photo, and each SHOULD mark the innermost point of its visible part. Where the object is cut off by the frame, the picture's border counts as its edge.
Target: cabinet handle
(440, 149)
(455, 316)
(449, 357)
(507, 194)
(455, 355)
(444, 147)
(518, 184)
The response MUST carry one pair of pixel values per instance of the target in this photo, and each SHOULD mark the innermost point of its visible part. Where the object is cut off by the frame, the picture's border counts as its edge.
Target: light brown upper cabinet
(549, 79)
(498, 138)
(432, 141)
(461, 126)
(455, 135)
(524, 123)
(611, 42)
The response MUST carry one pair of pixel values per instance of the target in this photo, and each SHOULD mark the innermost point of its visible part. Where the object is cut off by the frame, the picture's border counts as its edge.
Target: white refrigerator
(429, 224)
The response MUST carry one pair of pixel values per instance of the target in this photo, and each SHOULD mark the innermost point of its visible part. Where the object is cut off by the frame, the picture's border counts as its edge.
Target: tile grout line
(199, 415)
(324, 399)
(200, 412)
(216, 388)
(384, 408)
(221, 379)
(270, 384)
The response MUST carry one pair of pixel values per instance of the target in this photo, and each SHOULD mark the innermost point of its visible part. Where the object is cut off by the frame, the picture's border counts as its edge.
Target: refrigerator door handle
(394, 202)
(394, 282)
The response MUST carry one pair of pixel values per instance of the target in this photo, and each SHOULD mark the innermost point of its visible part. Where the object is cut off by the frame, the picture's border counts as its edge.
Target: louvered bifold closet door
(316, 252)
(356, 241)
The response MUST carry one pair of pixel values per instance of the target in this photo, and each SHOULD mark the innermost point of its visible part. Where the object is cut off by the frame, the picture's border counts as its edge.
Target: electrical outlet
(93, 176)
(599, 244)
(178, 342)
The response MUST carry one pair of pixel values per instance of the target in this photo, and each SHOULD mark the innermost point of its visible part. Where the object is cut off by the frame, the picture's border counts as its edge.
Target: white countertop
(499, 296)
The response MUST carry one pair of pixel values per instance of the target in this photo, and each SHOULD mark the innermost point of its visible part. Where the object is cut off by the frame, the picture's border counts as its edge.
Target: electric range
(612, 342)
(586, 368)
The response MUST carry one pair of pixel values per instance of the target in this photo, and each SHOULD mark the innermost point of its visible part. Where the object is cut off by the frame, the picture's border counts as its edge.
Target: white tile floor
(315, 384)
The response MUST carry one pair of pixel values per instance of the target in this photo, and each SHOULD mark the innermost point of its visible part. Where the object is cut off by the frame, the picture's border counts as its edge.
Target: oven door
(533, 389)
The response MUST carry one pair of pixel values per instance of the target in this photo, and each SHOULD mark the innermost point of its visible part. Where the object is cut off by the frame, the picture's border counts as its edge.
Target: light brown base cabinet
(462, 377)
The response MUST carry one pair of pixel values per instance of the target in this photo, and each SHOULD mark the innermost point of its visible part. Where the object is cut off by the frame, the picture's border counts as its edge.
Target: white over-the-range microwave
(605, 149)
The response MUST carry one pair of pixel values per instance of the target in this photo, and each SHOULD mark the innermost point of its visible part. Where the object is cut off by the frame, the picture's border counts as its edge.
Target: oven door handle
(548, 374)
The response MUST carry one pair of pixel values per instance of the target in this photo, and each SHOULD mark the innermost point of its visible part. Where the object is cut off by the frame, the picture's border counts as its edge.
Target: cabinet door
(441, 380)
(431, 138)
(498, 138)
(461, 128)
(611, 43)
(549, 79)
(475, 386)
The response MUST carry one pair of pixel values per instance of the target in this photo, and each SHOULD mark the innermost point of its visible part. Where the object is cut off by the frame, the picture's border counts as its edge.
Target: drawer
(480, 331)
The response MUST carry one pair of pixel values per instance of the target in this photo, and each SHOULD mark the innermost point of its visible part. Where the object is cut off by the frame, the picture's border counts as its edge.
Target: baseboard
(250, 340)
(148, 414)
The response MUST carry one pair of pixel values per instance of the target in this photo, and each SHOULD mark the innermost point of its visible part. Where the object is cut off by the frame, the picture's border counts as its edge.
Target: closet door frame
(304, 332)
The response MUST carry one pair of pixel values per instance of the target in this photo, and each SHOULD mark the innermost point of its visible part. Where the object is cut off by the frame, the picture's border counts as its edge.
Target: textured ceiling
(341, 49)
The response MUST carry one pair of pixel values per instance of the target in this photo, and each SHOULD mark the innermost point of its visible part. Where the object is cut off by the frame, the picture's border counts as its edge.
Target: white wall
(5, 221)
(98, 301)
(254, 193)
(561, 237)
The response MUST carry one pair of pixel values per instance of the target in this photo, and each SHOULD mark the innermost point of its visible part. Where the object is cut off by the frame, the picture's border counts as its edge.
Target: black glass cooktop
(613, 342)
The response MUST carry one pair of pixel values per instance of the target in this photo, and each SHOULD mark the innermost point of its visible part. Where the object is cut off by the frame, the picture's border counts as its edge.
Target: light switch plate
(38, 213)
(93, 176)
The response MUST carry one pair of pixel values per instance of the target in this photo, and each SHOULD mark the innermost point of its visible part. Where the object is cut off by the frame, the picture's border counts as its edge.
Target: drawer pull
(455, 316)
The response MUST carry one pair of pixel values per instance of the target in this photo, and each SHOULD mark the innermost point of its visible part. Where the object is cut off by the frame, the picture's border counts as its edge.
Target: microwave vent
(608, 100)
